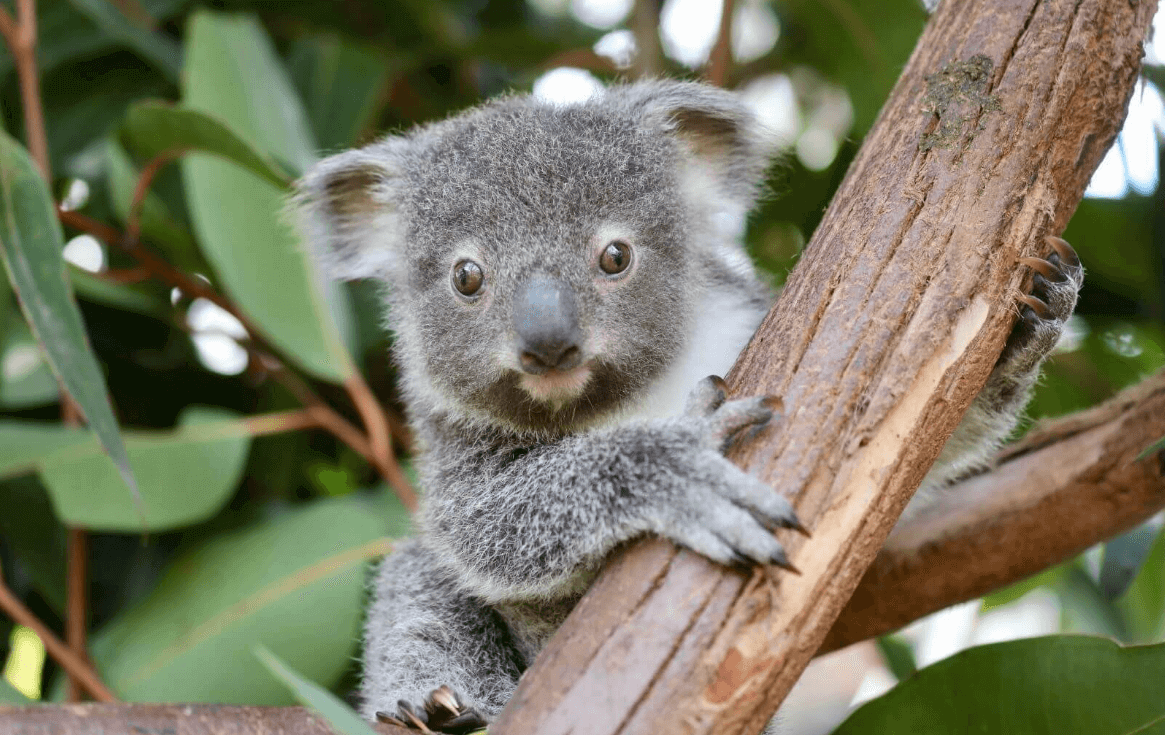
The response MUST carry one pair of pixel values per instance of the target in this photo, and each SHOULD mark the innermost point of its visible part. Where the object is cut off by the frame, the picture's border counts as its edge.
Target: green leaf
(1156, 446)
(1123, 557)
(340, 716)
(162, 52)
(10, 695)
(34, 537)
(31, 249)
(239, 220)
(1067, 685)
(25, 377)
(153, 127)
(293, 582)
(898, 655)
(186, 475)
(340, 83)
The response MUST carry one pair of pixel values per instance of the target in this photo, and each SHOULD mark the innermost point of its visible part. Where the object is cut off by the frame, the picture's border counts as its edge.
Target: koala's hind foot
(442, 712)
(994, 413)
(1044, 311)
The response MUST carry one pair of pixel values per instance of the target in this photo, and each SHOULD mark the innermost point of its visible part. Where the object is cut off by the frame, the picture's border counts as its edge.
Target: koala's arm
(520, 522)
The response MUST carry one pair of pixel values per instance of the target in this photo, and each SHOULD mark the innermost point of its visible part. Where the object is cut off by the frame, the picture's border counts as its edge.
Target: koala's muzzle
(546, 321)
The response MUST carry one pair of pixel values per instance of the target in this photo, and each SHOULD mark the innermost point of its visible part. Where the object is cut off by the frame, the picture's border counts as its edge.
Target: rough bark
(1069, 484)
(886, 330)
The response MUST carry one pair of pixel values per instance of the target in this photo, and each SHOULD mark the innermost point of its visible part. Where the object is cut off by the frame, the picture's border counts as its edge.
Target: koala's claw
(443, 712)
(1043, 312)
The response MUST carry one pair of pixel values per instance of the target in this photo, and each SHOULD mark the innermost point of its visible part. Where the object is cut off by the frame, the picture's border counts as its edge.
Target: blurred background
(273, 525)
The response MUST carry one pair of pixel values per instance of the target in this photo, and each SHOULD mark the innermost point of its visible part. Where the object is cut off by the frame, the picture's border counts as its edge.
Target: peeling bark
(1069, 484)
(886, 330)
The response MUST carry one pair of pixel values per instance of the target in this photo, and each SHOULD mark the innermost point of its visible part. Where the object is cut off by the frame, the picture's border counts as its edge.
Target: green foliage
(1063, 685)
(339, 715)
(259, 535)
(30, 247)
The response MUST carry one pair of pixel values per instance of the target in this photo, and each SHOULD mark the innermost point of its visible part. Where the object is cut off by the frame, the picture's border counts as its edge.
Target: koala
(564, 283)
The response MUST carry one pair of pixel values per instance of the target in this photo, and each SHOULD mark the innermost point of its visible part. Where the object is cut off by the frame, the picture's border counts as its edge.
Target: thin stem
(74, 665)
(20, 35)
(77, 617)
(142, 187)
(720, 60)
(645, 26)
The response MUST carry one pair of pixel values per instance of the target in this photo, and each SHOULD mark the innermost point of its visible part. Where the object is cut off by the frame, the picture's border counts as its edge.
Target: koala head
(543, 263)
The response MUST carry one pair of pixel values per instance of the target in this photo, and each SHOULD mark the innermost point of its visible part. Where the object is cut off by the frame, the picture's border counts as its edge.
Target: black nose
(546, 321)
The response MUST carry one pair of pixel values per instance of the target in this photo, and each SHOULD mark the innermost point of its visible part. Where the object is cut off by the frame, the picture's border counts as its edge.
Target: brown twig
(20, 35)
(645, 27)
(77, 617)
(133, 221)
(74, 665)
(125, 276)
(327, 418)
(720, 60)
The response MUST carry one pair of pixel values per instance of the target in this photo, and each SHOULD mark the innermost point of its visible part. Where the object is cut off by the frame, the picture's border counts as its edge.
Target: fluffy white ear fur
(348, 209)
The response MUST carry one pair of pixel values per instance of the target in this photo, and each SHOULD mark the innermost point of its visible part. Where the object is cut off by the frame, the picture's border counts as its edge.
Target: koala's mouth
(557, 386)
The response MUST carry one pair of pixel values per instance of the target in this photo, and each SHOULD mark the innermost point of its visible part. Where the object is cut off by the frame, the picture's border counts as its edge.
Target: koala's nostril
(537, 359)
(570, 358)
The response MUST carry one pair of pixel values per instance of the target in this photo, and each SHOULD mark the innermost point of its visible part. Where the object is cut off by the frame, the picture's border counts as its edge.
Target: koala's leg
(433, 654)
(994, 413)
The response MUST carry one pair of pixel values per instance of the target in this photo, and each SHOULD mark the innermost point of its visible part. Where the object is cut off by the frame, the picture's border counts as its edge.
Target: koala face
(541, 260)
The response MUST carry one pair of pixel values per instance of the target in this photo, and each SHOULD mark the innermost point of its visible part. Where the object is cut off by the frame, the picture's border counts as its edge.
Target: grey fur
(529, 487)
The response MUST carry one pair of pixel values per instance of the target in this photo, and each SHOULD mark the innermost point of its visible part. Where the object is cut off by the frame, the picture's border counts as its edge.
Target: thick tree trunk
(886, 330)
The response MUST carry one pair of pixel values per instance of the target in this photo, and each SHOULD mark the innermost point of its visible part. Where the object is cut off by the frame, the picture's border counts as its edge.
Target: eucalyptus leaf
(153, 127)
(1067, 685)
(10, 695)
(162, 52)
(240, 221)
(25, 377)
(339, 715)
(31, 245)
(1123, 557)
(186, 475)
(1156, 446)
(339, 83)
(293, 582)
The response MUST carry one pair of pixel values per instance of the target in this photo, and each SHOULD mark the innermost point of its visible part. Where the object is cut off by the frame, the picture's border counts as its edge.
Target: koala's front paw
(1043, 312)
(443, 711)
(721, 511)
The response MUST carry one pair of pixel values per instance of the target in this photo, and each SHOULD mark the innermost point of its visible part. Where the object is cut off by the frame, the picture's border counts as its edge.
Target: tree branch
(1069, 484)
(187, 719)
(887, 329)
(20, 35)
(76, 667)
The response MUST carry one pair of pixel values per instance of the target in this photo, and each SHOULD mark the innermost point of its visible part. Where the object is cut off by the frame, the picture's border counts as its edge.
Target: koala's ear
(349, 211)
(722, 139)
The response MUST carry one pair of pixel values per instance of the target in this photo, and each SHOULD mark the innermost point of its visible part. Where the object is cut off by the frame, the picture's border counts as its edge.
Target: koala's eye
(467, 277)
(615, 257)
